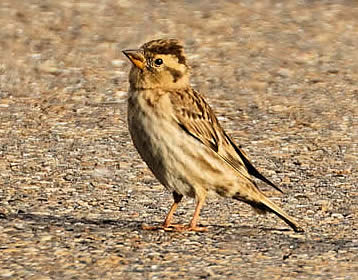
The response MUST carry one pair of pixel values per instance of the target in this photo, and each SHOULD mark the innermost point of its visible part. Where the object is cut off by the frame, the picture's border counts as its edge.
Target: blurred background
(282, 77)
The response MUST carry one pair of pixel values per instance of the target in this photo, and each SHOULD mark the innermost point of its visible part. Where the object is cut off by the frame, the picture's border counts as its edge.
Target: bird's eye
(158, 61)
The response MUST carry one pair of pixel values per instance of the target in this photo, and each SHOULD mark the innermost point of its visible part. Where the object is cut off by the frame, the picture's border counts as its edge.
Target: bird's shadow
(69, 220)
(250, 228)
(129, 224)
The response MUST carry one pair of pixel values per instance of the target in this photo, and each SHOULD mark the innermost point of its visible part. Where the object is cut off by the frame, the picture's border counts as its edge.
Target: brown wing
(250, 168)
(196, 118)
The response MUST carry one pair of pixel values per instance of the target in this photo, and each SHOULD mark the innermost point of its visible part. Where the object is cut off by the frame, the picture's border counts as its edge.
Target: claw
(171, 227)
(196, 229)
(175, 227)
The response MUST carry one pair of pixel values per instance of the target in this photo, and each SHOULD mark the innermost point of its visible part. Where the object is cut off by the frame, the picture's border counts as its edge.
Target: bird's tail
(262, 204)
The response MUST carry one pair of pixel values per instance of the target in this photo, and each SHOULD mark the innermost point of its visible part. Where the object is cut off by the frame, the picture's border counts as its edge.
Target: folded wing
(197, 119)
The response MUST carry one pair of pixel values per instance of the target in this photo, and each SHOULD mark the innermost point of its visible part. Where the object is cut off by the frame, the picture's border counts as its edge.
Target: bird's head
(158, 64)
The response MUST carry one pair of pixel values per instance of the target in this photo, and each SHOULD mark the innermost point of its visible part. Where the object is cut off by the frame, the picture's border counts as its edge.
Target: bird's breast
(179, 161)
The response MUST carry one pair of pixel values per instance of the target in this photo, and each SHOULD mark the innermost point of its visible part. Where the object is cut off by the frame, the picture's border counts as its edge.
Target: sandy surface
(282, 76)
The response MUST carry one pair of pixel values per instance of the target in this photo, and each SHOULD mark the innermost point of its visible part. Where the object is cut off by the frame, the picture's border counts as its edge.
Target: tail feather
(262, 205)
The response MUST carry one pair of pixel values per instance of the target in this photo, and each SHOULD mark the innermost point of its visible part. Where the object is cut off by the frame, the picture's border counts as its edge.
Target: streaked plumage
(179, 137)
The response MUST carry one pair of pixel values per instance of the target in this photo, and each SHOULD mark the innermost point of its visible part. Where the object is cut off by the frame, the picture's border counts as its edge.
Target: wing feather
(197, 119)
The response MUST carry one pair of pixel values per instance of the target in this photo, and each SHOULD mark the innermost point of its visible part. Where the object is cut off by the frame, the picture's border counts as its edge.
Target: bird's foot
(194, 228)
(171, 227)
(176, 227)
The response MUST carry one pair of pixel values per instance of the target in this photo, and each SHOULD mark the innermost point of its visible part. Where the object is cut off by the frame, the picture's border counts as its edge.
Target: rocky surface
(282, 76)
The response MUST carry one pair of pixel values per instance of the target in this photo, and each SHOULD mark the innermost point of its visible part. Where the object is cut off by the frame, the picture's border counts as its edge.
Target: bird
(177, 134)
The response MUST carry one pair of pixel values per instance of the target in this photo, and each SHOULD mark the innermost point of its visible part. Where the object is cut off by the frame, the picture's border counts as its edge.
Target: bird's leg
(167, 222)
(193, 223)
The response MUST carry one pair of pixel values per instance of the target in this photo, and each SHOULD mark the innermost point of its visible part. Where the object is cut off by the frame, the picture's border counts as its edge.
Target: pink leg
(193, 223)
(167, 225)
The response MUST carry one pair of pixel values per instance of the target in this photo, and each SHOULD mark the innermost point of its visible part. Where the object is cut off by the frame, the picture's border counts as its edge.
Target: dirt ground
(74, 194)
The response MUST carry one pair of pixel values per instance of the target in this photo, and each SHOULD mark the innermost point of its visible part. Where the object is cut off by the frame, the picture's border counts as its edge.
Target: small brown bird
(179, 137)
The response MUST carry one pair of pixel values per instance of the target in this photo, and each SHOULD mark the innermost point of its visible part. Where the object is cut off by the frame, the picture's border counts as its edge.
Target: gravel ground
(282, 76)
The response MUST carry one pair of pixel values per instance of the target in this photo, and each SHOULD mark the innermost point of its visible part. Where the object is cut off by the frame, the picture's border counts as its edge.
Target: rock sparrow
(179, 137)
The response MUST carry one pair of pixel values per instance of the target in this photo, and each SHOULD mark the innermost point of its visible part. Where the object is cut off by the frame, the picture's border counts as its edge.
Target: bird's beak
(136, 57)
